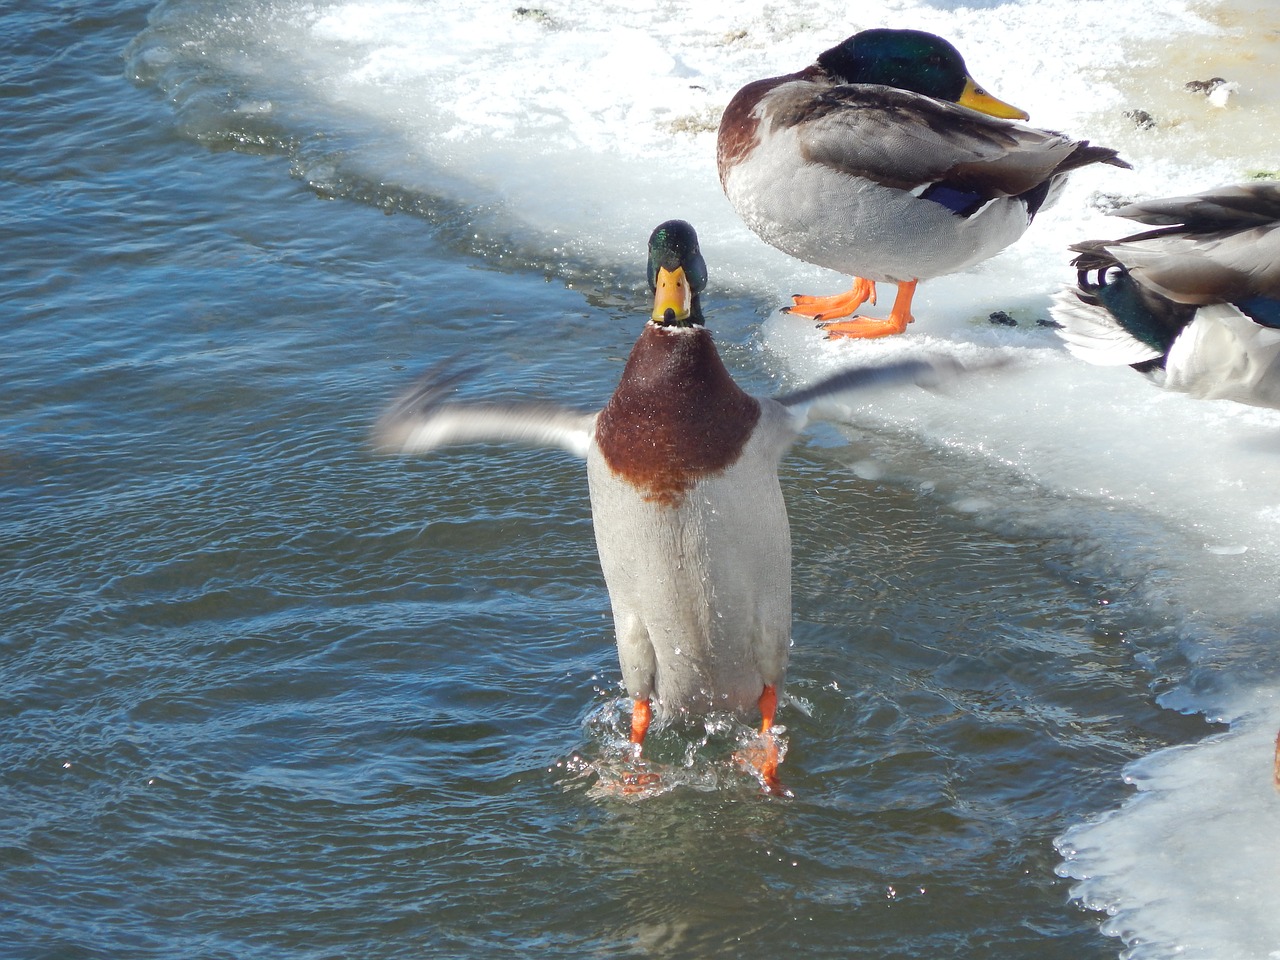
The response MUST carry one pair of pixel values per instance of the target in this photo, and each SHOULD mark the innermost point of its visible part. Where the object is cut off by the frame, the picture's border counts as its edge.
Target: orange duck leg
(867, 327)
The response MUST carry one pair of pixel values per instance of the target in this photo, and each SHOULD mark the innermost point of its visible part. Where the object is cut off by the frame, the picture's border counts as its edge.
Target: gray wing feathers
(420, 421)
(1210, 247)
(823, 400)
(1225, 208)
(905, 140)
(1202, 269)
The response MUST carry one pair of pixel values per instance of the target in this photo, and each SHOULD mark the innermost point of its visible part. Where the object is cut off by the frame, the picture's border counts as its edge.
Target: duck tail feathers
(1086, 153)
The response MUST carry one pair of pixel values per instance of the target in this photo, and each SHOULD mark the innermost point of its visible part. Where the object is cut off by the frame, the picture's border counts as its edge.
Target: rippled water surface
(267, 695)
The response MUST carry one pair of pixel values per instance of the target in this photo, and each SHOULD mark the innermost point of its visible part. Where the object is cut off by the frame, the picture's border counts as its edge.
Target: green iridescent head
(677, 275)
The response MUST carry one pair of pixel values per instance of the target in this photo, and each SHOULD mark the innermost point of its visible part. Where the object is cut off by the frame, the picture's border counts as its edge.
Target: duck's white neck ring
(674, 328)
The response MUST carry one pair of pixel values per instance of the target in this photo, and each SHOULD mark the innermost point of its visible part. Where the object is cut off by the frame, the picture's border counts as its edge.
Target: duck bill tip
(975, 98)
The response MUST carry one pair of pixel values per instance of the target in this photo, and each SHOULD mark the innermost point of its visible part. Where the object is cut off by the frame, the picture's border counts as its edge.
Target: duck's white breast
(701, 590)
(1224, 355)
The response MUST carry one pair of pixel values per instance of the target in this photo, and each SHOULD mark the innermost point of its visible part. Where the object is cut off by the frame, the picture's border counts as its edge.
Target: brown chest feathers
(739, 125)
(676, 416)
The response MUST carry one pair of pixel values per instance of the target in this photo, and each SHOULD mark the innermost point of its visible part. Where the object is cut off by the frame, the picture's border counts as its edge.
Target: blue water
(267, 695)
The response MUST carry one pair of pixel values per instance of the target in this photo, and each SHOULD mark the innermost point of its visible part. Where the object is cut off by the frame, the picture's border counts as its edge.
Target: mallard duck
(1194, 303)
(884, 160)
(690, 525)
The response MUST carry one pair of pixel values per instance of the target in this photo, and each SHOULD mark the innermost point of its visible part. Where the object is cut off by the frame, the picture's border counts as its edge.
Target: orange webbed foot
(762, 757)
(864, 328)
(868, 327)
(834, 307)
(640, 781)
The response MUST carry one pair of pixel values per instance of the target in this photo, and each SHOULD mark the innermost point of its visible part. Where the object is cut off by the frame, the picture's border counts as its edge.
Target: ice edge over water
(1187, 867)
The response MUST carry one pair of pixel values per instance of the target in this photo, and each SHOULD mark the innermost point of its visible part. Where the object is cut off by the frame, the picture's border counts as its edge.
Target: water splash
(717, 753)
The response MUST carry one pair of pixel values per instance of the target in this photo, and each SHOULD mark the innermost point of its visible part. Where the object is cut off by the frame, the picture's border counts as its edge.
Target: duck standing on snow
(1193, 303)
(885, 161)
(682, 466)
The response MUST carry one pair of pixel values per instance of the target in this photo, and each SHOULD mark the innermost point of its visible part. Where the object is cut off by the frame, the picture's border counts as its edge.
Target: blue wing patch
(1261, 310)
(963, 203)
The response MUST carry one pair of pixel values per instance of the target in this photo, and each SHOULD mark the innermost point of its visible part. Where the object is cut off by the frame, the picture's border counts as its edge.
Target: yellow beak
(975, 98)
(672, 298)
